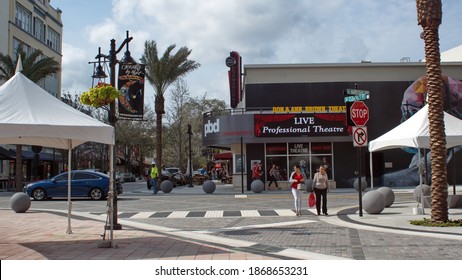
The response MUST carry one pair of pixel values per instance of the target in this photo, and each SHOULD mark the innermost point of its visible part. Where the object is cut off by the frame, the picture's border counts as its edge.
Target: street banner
(131, 86)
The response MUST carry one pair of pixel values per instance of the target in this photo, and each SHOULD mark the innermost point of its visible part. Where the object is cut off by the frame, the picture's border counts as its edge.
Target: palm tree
(429, 14)
(35, 67)
(161, 73)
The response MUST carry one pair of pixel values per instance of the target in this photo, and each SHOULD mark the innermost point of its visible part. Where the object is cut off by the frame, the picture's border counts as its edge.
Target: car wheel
(39, 194)
(96, 194)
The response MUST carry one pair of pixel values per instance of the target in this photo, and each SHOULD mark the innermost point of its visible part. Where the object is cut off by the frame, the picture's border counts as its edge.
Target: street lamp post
(190, 157)
(112, 59)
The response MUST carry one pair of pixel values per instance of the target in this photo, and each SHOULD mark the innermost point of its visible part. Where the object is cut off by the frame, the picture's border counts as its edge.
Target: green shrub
(428, 223)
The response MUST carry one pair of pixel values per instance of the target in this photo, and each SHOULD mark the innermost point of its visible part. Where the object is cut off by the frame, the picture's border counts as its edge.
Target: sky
(262, 31)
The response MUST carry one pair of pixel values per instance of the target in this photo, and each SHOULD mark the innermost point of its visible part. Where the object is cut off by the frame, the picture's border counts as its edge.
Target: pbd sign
(359, 113)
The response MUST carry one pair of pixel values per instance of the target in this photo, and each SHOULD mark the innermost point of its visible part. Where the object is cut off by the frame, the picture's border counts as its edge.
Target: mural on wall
(414, 98)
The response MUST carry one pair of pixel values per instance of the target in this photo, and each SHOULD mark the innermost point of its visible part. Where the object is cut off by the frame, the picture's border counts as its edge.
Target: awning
(223, 156)
(46, 156)
(6, 154)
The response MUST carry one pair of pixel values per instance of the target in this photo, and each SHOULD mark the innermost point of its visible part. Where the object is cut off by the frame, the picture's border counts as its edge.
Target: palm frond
(35, 66)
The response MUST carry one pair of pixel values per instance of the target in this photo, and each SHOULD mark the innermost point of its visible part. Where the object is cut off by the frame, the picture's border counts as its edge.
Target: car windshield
(173, 170)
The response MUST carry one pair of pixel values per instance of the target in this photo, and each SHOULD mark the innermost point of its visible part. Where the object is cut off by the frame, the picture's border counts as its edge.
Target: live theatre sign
(290, 125)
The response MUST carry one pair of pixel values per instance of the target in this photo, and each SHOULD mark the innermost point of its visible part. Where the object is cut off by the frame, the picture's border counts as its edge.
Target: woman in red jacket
(298, 180)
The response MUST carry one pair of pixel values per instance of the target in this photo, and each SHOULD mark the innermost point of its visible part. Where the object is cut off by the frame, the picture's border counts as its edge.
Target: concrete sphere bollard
(257, 186)
(166, 186)
(388, 194)
(373, 202)
(363, 184)
(418, 191)
(209, 186)
(20, 202)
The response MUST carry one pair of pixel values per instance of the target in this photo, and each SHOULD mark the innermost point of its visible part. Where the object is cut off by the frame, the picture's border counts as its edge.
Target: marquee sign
(292, 125)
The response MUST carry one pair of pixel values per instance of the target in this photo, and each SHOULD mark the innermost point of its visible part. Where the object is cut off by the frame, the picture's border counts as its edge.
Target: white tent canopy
(454, 54)
(31, 116)
(414, 133)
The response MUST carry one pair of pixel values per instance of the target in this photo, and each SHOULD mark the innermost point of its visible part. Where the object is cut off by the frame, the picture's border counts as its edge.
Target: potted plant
(100, 95)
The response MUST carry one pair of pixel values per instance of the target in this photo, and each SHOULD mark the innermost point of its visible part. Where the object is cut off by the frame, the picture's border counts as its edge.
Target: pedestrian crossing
(208, 214)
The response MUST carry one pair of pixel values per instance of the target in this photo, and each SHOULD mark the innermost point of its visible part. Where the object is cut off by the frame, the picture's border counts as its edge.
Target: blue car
(84, 183)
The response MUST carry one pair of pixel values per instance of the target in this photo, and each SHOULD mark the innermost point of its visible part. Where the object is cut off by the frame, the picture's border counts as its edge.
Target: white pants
(297, 199)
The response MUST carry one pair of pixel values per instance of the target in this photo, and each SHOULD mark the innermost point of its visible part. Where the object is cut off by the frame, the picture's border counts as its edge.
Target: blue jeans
(154, 185)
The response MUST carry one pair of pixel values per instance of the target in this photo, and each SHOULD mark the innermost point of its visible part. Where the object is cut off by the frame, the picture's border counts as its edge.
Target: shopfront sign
(234, 77)
(299, 148)
(225, 130)
(211, 127)
(292, 125)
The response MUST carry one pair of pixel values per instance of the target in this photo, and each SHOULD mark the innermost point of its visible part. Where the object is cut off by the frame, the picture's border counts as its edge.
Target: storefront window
(321, 155)
(238, 163)
(299, 153)
(304, 163)
(317, 161)
(281, 167)
(310, 156)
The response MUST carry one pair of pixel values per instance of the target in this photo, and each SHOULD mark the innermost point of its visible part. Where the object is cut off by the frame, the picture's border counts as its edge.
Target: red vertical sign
(234, 76)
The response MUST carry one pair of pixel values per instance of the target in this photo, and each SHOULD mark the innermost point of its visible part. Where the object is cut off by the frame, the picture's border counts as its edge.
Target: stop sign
(359, 113)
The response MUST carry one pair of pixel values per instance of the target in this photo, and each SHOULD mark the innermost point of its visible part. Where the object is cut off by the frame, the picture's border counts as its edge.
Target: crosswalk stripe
(250, 213)
(285, 212)
(178, 214)
(205, 214)
(213, 214)
(142, 215)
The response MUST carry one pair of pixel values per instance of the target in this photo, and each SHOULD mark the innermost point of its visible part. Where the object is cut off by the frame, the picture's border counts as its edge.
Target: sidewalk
(41, 234)
(37, 235)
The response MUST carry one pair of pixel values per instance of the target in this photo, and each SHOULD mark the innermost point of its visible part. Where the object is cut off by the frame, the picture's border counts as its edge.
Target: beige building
(35, 24)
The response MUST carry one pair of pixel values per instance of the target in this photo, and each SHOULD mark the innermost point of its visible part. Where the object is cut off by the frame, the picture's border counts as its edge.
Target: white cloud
(264, 32)
(76, 70)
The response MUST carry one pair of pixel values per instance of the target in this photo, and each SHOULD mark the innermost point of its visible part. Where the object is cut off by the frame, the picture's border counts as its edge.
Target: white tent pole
(371, 169)
(420, 183)
(111, 193)
(420, 167)
(69, 202)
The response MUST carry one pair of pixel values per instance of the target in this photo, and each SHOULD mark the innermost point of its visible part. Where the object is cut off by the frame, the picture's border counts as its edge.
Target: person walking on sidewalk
(297, 179)
(321, 187)
(272, 176)
(154, 176)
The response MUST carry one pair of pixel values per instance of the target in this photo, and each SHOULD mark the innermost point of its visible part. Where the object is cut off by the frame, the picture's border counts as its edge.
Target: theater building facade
(296, 114)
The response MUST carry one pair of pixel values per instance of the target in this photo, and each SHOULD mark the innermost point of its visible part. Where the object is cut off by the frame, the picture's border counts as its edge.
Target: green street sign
(354, 98)
(350, 91)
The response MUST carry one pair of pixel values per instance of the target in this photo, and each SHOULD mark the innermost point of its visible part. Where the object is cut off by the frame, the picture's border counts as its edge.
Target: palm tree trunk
(159, 107)
(429, 17)
(159, 141)
(18, 169)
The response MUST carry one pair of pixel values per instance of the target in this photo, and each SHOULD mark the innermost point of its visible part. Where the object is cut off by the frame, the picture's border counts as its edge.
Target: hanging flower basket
(100, 95)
